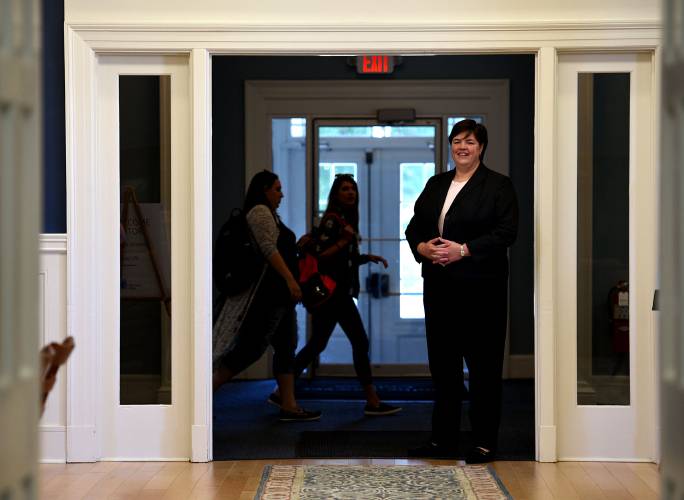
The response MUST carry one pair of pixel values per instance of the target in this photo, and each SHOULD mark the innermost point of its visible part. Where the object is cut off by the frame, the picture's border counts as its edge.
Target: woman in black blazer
(463, 223)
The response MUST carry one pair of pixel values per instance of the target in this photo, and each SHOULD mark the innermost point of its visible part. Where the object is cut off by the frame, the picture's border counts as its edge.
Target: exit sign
(374, 65)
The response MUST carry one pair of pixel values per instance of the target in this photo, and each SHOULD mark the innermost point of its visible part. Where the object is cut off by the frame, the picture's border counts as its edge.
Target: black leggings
(339, 309)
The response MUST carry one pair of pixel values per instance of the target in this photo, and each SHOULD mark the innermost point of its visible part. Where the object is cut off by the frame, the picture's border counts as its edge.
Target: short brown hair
(477, 129)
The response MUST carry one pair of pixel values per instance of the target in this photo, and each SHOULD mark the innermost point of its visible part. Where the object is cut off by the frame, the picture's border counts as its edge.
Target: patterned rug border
(287, 480)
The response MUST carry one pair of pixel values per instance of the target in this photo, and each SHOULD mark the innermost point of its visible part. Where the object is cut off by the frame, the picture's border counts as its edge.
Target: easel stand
(129, 198)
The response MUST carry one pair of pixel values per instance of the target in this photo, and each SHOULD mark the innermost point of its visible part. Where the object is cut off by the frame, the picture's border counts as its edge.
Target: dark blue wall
(54, 143)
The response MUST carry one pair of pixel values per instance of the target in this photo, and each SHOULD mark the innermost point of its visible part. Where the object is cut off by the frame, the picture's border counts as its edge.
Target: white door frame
(85, 267)
(145, 431)
(608, 432)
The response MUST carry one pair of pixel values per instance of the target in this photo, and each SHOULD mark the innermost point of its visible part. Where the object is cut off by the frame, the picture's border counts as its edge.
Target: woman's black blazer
(484, 215)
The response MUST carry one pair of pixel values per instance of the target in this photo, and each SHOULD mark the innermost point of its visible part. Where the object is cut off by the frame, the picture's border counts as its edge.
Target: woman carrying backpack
(264, 313)
(337, 248)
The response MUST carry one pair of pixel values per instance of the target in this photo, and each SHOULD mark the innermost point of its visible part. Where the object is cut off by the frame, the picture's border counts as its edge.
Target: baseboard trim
(546, 446)
(200, 443)
(81, 443)
(144, 459)
(52, 444)
(604, 459)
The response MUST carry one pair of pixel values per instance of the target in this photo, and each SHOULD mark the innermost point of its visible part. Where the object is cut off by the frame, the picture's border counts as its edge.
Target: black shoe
(275, 400)
(433, 450)
(479, 455)
(299, 416)
(381, 410)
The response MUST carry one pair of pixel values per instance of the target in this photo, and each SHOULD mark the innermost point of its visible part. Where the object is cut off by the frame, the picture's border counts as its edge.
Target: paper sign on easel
(146, 263)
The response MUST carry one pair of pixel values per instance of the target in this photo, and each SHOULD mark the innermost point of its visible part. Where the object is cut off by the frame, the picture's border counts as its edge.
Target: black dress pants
(466, 318)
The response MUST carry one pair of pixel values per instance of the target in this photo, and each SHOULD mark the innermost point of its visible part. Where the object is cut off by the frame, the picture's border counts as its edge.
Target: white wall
(52, 328)
(357, 12)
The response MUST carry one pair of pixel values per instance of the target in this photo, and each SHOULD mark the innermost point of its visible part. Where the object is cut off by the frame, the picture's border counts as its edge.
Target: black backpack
(237, 261)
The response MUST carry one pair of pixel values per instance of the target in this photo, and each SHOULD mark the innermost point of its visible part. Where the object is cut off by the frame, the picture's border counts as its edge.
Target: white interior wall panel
(52, 328)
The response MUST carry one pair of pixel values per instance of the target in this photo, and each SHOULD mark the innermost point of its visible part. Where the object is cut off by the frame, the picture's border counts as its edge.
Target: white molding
(52, 443)
(52, 324)
(143, 459)
(201, 255)
(52, 428)
(52, 243)
(541, 25)
(544, 255)
(386, 38)
(83, 277)
(607, 459)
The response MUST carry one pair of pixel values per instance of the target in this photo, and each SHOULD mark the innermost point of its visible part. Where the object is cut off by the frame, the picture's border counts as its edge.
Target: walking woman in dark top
(337, 247)
(264, 314)
(463, 223)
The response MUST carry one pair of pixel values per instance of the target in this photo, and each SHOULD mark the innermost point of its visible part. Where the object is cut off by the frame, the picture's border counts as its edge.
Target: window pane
(413, 177)
(326, 176)
(603, 240)
(145, 171)
(289, 164)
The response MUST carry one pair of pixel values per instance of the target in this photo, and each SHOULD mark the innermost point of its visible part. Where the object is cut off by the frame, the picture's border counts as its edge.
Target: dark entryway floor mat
(378, 444)
(246, 427)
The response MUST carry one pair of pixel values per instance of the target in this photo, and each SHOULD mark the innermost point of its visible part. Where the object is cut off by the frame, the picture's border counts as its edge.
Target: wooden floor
(240, 479)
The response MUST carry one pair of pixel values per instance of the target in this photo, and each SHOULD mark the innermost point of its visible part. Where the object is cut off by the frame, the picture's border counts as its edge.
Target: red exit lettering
(374, 64)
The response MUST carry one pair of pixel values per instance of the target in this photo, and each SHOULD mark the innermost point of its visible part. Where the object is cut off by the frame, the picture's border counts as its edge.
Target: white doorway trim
(83, 43)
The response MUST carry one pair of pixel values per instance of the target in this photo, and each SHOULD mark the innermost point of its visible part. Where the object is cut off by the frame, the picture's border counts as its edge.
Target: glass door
(143, 135)
(607, 200)
(391, 164)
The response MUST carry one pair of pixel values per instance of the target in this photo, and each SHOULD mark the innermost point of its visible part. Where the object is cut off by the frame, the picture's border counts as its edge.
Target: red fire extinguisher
(618, 302)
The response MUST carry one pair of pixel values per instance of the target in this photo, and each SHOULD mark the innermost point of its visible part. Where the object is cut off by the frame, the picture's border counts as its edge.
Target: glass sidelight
(603, 235)
(145, 239)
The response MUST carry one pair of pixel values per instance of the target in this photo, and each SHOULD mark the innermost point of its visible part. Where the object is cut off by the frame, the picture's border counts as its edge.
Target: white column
(544, 242)
(201, 256)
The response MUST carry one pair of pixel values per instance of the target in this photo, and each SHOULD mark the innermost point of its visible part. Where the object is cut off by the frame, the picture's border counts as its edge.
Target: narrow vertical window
(603, 281)
(145, 240)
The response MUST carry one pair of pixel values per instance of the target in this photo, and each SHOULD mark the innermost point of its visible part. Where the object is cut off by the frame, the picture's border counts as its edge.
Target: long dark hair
(256, 192)
(351, 215)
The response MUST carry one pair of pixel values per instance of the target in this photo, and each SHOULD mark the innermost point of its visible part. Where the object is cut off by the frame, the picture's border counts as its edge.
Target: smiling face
(346, 194)
(274, 194)
(465, 151)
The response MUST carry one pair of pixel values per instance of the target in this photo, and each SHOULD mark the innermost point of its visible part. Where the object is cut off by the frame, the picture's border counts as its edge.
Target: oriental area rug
(371, 482)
